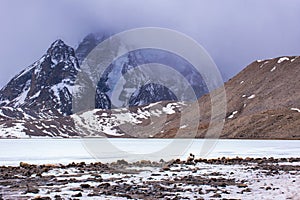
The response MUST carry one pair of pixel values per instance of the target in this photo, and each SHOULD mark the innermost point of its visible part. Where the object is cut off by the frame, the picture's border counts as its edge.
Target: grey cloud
(234, 32)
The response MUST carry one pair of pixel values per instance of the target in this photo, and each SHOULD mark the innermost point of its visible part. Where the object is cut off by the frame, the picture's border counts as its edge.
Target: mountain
(263, 100)
(44, 92)
(45, 88)
(134, 91)
(266, 99)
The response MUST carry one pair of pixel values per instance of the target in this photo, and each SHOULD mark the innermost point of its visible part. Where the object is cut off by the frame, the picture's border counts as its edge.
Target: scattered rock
(166, 168)
(242, 185)
(79, 194)
(122, 162)
(174, 178)
(155, 174)
(31, 189)
(41, 198)
(268, 188)
(58, 197)
(104, 185)
(246, 190)
(85, 185)
(76, 189)
(216, 195)
(24, 165)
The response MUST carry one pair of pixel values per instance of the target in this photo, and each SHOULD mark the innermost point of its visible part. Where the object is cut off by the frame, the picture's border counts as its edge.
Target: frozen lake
(42, 151)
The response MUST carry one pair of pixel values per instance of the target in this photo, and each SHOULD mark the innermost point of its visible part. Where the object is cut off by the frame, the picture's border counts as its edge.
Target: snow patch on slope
(232, 115)
(89, 123)
(252, 96)
(294, 59)
(35, 95)
(273, 69)
(261, 66)
(15, 131)
(37, 63)
(296, 109)
(21, 98)
(98, 121)
(282, 59)
(169, 109)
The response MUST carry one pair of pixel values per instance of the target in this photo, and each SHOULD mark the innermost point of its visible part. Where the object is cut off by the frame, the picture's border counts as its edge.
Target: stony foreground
(223, 178)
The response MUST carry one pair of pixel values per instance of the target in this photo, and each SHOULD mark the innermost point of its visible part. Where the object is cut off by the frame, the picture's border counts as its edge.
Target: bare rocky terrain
(222, 178)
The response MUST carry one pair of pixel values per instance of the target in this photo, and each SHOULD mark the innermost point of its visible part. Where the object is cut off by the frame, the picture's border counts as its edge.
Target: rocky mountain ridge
(262, 102)
(134, 92)
(255, 109)
(44, 89)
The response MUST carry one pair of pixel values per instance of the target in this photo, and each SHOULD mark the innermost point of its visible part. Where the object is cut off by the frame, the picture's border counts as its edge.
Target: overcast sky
(234, 32)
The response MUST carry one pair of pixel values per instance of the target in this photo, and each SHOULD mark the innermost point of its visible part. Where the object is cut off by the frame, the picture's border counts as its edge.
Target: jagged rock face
(88, 44)
(39, 100)
(130, 62)
(150, 93)
(44, 88)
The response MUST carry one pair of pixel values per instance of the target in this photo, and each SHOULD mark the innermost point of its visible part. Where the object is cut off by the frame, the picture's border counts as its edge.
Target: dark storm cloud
(234, 32)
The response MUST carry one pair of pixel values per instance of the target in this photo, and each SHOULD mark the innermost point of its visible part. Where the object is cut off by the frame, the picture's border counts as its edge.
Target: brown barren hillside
(263, 101)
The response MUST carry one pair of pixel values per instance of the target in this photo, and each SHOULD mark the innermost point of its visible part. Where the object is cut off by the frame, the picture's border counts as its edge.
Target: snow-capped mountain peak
(47, 85)
(59, 52)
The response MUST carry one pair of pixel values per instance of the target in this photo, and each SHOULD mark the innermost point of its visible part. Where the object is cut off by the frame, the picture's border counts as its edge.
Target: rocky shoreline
(222, 178)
